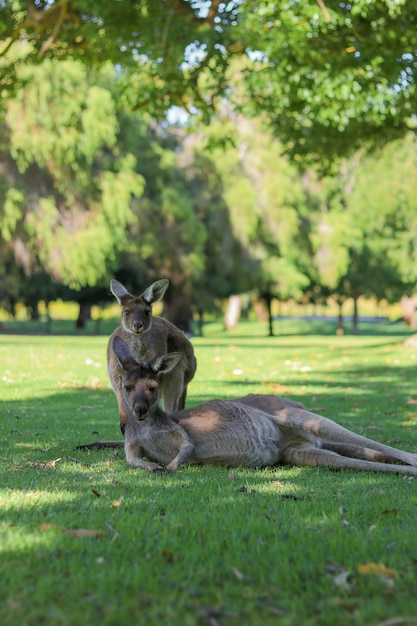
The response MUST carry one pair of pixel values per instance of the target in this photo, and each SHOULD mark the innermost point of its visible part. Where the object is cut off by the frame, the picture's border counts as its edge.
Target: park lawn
(86, 540)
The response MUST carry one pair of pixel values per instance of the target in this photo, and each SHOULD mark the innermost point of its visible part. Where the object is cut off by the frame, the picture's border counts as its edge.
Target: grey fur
(150, 337)
(253, 431)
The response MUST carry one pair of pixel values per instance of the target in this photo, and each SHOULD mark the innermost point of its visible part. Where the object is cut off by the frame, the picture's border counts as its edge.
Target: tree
(331, 76)
(365, 230)
(66, 196)
(332, 81)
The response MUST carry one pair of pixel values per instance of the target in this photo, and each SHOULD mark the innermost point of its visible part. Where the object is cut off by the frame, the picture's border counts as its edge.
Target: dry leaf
(409, 423)
(395, 621)
(277, 483)
(169, 556)
(96, 493)
(277, 387)
(85, 532)
(377, 569)
(411, 401)
(47, 526)
(238, 574)
(341, 581)
(117, 503)
(44, 465)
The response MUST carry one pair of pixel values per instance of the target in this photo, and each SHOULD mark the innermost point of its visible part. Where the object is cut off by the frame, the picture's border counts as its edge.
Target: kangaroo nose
(140, 411)
(137, 327)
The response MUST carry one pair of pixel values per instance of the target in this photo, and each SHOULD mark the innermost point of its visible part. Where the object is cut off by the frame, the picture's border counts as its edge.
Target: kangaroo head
(140, 383)
(137, 310)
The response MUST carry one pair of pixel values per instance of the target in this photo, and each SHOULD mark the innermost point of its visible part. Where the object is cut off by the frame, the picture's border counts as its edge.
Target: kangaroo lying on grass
(148, 338)
(253, 431)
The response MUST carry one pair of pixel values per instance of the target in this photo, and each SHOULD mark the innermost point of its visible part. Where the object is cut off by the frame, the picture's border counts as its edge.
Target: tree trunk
(84, 315)
(177, 309)
(232, 314)
(33, 312)
(268, 301)
(200, 321)
(340, 327)
(408, 308)
(355, 317)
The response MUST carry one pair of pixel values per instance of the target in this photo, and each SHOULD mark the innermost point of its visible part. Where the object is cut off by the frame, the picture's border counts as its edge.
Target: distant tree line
(290, 175)
(90, 191)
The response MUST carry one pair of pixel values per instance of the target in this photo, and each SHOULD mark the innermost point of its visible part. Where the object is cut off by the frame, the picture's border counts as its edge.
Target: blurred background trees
(239, 147)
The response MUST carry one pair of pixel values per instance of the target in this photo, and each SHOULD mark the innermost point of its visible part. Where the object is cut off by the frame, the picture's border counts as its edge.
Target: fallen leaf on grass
(395, 621)
(96, 493)
(377, 569)
(117, 503)
(411, 401)
(84, 532)
(275, 610)
(408, 423)
(46, 526)
(44, 464)
(238, 574)
(341, 581)
(75, 532)
(277, 387)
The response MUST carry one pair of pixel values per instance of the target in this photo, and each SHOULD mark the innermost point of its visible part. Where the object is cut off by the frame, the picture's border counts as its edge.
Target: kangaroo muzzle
(140, 410)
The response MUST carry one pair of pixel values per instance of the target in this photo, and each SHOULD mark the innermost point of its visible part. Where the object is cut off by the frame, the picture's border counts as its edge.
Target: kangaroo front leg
(183, 454)
(315, 457)
(134, 452)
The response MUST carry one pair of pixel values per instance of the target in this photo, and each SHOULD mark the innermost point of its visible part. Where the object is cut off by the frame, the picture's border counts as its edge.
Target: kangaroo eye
(126, 312)
(128, 388)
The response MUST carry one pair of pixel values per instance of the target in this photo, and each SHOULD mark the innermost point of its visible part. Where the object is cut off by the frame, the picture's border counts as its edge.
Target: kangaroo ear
(166, 363)
(118, 290)
(123, 353)
(155, 291)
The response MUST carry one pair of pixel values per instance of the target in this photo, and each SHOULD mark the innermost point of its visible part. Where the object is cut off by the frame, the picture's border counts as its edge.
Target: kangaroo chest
(143, 347)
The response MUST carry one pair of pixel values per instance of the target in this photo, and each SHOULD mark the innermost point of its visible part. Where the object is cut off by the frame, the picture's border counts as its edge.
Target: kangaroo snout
(140, 409)
(137, 327)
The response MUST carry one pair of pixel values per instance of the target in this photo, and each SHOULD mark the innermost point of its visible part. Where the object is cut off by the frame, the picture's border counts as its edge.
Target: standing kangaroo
(148, 338)
(253, 431)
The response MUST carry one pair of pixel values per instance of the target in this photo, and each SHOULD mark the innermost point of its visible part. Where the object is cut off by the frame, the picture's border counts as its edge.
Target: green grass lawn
(86, 540)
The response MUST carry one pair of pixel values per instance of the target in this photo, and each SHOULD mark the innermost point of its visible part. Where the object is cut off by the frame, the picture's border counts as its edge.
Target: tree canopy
(331, 76)
(106, 169)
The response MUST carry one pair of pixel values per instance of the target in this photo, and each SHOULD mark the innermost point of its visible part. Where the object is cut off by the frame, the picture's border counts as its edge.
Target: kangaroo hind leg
(319, 457)
(329, 432)
(358, 452)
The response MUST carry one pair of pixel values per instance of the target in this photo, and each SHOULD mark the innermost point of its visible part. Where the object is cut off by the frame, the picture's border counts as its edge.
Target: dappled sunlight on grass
(88, 539)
